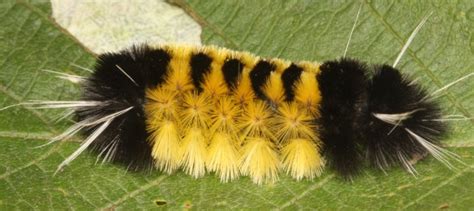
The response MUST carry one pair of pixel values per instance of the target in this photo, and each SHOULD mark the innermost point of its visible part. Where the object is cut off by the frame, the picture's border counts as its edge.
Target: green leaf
(298, 30)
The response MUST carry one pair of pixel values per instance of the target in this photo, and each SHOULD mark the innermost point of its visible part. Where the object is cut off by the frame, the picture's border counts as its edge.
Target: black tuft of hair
(390, 142)
(289, 77)
(200, 66)
(126, 136)
(232, 71)
(343, 85)
(259, 76)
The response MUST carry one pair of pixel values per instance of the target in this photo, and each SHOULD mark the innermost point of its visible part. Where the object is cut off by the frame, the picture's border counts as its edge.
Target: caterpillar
(210, 109)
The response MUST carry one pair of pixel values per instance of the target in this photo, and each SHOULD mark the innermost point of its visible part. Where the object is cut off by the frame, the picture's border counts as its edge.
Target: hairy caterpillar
(212, 109)
(232, 112)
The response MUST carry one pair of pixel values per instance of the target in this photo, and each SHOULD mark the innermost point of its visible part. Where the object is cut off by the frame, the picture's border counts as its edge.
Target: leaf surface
(297, 30)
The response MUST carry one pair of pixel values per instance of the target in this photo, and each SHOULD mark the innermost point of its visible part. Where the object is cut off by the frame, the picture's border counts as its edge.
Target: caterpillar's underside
(209, 109)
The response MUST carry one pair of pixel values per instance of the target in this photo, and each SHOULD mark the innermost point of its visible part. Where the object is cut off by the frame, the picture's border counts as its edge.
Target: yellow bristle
(248, 60)
(223, 152)
(256, 121)
(244, 91)
(293, 122)
(194, 153)
(301, 159)
(224, 117)
(312, 67)
(161, 104)
(260, 161)
(195, 120)
(196, 110)
(165, 146)
(307, 92)
(223, 157)
(179, 77)
(274, 88)
(280, 65)
(214, 84)
(218, 55)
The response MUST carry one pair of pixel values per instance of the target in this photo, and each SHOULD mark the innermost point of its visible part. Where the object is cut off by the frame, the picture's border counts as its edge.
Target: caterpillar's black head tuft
(399, 111)
(125, 139)
(343, 85)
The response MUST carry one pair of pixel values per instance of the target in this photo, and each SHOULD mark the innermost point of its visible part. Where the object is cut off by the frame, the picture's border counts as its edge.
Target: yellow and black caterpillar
(210, 109)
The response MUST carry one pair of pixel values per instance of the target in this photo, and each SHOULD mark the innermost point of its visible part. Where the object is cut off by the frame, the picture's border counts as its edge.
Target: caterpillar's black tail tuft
(402, 122)
(385, 119)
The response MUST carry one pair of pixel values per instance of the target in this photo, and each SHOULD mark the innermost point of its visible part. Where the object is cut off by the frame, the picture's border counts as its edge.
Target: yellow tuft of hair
(293, 122)
(280, 65)
(195, 111)
(194, 153)
(224, 116)
(273, 88)
(214, 84)
(260, 161)
(248, 59)
(161, 104)
(179, 78)
(312, 67)
(243, 93)
(256, 121)
(223, 157)
(307, 92)
(166, 146)
(195, 119)
(301, 159)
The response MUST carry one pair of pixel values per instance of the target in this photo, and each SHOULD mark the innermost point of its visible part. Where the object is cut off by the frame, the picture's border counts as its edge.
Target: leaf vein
(307, 191)
(442, 184)
(133, 193)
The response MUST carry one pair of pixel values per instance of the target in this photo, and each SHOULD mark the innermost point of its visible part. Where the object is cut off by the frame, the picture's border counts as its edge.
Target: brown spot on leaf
(160, 202)
(187, 205)
(443, 206)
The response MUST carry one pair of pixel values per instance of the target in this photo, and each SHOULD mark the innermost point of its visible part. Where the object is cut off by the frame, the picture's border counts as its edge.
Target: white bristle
(128, 76)
(104, 121)
(410, 39)
(69, 77)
